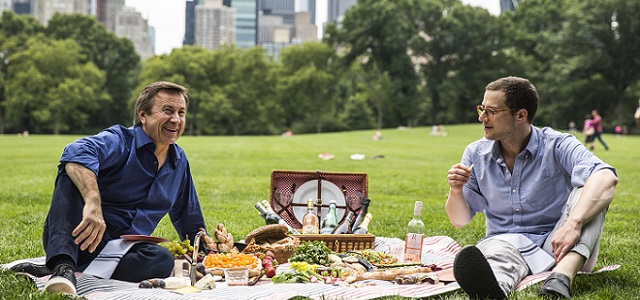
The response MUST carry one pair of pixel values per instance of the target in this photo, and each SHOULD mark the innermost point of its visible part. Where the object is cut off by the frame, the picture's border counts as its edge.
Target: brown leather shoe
(557, 285)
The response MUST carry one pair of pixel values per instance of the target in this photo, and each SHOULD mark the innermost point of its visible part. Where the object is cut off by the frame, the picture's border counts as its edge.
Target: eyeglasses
(490, 111)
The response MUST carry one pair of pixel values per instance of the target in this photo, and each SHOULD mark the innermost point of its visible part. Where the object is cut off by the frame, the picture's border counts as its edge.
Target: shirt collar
(530, 151)
(535, 142)
(142, 140)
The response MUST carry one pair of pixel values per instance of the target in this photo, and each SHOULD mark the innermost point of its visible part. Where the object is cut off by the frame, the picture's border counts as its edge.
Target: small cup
(236, 276)
(179, 266)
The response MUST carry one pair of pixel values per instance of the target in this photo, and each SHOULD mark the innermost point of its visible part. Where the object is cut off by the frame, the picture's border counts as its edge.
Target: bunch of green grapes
(178, 248)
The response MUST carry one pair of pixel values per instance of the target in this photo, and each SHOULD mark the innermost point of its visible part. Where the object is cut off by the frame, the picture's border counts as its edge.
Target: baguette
(391, 274)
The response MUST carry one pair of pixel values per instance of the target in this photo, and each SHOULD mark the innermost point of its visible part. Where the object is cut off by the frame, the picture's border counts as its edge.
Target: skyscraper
(304, 30)
(6, 5)
(43, 10)
(509, 5)
(190, 22)
(310, 6)
(337, 8)
(214, 24)
(130, 24)
(22, 7)
(284, 8)
(112, 8)
(246, 22)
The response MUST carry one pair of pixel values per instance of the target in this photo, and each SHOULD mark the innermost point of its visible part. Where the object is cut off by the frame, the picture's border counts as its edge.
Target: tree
(250, 88)
(232, 90)
(374, 88)
(306, 84)
(535, 32)
(114, 55)
(603, 36)
(49, 92)
(377, 33)
(451, 57)
(14, 32)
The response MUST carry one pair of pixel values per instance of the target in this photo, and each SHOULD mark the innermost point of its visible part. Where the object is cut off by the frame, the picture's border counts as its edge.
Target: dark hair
(519, 93)
(147, 97)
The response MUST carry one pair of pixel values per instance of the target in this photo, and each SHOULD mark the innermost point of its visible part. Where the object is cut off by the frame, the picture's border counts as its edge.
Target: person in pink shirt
(589, 133)
(597, 124)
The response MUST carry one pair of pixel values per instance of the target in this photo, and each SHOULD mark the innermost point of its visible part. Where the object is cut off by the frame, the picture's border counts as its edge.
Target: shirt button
(514, 191)
(517, 209)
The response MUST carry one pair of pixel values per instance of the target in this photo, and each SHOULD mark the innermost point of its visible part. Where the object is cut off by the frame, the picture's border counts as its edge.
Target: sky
(167, 17)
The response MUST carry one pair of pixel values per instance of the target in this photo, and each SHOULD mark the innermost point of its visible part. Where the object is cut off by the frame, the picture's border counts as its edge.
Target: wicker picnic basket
(352, 187)
(342, 242)
(272, 238)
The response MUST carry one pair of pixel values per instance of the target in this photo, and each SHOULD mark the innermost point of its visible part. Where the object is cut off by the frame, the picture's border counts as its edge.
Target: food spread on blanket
(310, 262)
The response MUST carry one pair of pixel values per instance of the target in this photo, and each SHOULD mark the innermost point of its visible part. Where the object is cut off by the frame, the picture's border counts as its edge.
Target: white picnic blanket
(437, 250)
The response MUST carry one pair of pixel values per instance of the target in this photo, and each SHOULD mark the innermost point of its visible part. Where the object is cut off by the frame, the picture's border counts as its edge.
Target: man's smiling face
(166, 122)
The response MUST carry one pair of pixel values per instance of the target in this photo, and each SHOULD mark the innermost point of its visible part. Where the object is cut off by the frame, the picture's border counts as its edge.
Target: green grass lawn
(232, 173)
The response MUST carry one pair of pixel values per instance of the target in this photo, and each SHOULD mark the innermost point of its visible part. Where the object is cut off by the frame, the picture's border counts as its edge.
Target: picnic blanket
(437, 250)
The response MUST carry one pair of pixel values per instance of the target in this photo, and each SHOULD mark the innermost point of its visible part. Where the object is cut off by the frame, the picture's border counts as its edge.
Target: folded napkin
(537, 259)
(108, 259)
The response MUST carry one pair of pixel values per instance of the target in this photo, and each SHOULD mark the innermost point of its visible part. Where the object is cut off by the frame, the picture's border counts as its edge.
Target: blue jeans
(143, 261)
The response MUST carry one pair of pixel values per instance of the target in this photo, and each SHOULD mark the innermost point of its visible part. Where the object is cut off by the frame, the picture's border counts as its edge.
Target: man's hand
(458, 175)
(89, 232)
(565, 238)
(456, 207)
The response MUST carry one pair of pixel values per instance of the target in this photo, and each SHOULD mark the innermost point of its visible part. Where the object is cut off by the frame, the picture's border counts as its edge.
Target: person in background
(636, 115)
(618, 130)
(597, 125)
(544, 196)
(377, 136)
(589, 132)
(122, 181)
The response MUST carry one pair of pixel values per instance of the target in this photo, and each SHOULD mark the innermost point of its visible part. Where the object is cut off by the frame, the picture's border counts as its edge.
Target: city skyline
(168, 19)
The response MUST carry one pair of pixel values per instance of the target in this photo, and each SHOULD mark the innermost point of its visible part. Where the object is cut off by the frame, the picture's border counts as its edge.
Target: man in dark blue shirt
(123, 181)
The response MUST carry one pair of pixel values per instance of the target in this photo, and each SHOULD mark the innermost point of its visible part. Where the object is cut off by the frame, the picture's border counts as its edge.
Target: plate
(144, 238)
(309, 189)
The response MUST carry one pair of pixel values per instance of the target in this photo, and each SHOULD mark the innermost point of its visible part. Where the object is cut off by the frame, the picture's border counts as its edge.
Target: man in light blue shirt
(543, 193)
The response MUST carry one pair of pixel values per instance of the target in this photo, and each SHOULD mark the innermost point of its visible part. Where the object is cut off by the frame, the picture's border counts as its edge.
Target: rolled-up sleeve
(95, 152)
(578, 161)
(471, 190)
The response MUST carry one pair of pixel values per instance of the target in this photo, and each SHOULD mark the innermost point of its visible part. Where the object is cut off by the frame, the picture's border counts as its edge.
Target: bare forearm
(458, 209)
(86, 182)
(597, 194)
(91, 229)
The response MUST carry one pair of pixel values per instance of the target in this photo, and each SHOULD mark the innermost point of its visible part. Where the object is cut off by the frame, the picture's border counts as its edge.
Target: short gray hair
(147, 97)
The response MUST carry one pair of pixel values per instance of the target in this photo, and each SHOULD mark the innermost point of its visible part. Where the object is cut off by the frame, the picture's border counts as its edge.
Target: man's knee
(145, 261)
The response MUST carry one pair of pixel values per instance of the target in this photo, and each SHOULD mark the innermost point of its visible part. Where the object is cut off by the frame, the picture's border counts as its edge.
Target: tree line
(390, 63)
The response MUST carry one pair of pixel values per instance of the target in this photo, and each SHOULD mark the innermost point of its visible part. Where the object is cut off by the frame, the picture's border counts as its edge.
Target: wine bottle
(330, 220)
(310, 222)
(415, 236)
(362, 212)
(345, 226)
(272, 218)
(364, 226)
(269, 217)
(267, 205)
